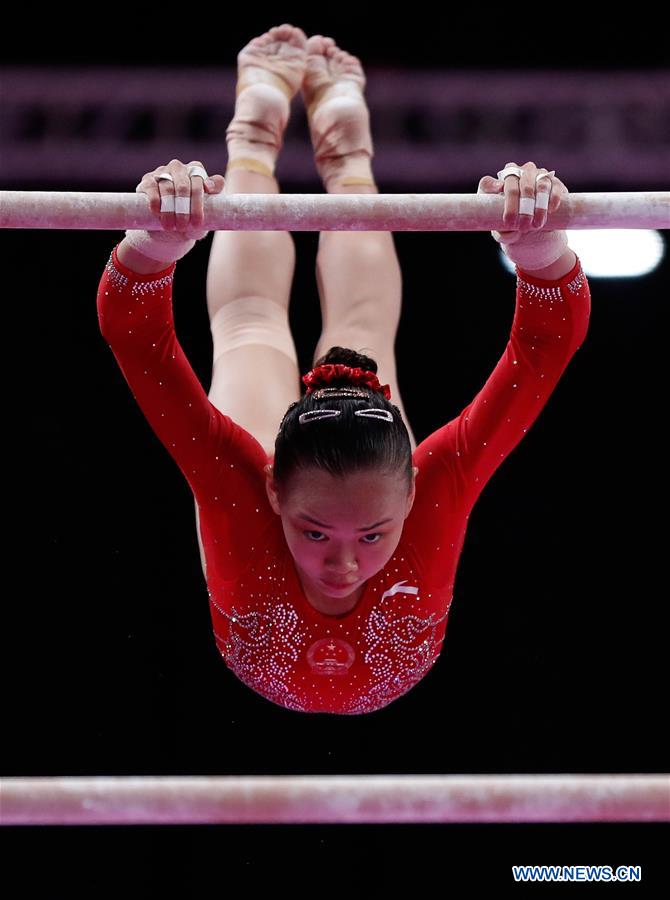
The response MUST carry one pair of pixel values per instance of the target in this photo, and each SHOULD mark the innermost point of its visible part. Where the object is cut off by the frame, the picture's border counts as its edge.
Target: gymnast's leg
(255, 368)
(255, 374)
(358, 273)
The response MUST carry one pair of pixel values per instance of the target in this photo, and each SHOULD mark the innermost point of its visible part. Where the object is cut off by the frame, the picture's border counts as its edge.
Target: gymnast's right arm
(135, 316)
(136, 319)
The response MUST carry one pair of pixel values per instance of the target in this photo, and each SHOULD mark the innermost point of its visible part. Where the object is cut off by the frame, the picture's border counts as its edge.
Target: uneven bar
(363, 799)
(329, 212)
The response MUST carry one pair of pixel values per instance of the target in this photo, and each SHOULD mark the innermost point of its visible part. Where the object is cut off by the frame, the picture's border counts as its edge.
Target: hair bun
(339, 375)
(347, 357)
(342, 366)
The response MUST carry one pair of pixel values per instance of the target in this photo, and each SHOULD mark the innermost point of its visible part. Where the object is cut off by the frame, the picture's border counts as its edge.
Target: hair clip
(318, 414)
(328, 392)
(375, 413)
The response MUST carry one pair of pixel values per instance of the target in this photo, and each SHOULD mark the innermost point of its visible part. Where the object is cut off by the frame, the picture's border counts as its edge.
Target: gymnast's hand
(180, 229)
(528, 243)
(162, 194)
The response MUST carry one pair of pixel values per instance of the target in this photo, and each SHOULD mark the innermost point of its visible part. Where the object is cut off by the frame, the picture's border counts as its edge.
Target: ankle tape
(357, 180)
(250, 165)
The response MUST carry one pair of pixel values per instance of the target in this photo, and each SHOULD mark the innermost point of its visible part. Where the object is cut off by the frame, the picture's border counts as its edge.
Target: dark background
(421, 34)
(555, 652)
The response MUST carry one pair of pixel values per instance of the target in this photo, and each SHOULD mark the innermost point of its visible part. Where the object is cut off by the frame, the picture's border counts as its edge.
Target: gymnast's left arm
(553, 305)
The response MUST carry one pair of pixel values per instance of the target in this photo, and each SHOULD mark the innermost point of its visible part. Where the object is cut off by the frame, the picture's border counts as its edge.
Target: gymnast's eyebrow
(369, 527)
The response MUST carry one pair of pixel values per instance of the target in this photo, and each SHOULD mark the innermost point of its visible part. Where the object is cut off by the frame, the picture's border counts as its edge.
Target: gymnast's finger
(557, 193)
(212, 184)
(512, 193)
(157, 201)
(182, 188)
(196, 187)
(527, 196)
(543, 191)
(489, 185)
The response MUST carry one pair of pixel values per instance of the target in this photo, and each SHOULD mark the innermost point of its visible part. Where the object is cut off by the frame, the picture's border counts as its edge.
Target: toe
(288, 31)
(296, 35)
(282, 35)
(315, 44)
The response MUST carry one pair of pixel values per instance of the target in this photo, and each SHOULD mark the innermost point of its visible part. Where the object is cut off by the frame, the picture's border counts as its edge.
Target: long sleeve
(456, 461)
(136, 319)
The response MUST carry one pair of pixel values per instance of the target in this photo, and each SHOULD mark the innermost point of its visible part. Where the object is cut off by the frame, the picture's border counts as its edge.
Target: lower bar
(362, 799)
(330, 212)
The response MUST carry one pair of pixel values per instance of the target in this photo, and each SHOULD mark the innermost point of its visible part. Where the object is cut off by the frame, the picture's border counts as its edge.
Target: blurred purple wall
(103, 127)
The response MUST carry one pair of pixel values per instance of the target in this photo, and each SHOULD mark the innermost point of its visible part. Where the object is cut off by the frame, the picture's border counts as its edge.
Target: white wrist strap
(155, 246)
(535, 250)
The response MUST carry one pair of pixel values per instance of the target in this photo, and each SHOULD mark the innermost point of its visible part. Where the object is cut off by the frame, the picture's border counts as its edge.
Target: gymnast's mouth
(339, 587)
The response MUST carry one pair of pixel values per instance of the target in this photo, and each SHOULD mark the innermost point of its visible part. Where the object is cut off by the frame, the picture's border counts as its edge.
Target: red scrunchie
(323, 375)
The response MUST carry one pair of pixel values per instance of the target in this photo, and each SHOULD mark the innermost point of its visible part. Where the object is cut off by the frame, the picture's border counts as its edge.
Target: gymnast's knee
(252, 320)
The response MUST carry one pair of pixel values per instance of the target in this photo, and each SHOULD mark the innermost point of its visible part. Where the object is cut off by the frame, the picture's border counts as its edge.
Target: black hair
(345, 444)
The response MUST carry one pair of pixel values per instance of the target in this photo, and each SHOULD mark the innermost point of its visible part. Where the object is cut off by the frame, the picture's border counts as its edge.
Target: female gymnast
(330, 548)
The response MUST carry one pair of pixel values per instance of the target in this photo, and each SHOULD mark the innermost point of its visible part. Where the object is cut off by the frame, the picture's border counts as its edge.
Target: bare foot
(338, 115)
(279, 57)
(270, 71)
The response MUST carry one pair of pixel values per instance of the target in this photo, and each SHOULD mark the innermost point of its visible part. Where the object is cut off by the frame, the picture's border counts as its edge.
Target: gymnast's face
(343, 548)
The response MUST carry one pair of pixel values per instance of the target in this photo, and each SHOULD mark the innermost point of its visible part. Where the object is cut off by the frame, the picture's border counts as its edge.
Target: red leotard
(267, 632)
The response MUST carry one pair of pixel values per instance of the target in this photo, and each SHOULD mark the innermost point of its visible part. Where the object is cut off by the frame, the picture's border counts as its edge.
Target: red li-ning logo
(330, 656)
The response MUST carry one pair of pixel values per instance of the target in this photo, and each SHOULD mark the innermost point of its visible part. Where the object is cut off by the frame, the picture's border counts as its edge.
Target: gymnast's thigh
(255, 374)
(255, 385)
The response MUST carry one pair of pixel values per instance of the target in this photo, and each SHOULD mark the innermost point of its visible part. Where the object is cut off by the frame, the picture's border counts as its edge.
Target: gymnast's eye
(379, 535)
